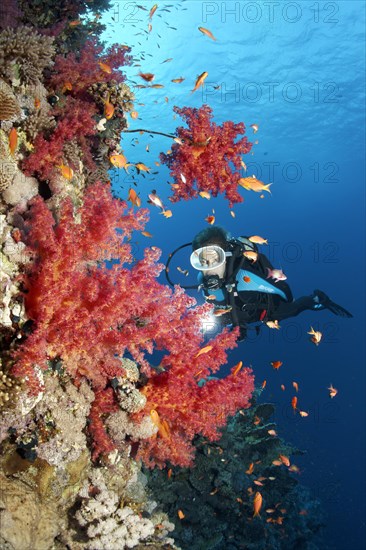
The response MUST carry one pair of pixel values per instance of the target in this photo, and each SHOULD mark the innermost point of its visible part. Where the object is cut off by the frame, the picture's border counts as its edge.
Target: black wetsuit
(254, 306)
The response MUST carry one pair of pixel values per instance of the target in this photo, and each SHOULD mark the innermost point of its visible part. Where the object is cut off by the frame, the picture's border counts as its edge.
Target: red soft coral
(83, 69)
(75, 301)
(184, 408)
(76, 122)
(88, 314)
(206, 156)
(103, 404)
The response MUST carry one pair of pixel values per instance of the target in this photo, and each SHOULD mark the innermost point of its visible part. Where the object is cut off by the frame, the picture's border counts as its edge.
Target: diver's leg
(318, 301)
(291, 309)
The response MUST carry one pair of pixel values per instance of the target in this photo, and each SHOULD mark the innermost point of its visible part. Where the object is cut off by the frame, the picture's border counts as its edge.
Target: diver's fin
(322, 301)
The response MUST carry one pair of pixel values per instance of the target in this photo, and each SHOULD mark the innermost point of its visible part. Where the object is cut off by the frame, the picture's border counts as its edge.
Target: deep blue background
(297, 70)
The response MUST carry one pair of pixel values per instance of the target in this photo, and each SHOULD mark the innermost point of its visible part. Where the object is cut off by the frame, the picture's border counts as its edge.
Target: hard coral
(204, 156)
(24, 54)
(9, 106)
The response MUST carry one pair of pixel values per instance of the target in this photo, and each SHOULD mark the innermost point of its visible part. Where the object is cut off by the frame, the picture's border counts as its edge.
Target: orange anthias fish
(205, 195)
(257, 239)
(285, 460)
(276, 274)
(178, 80)
(134, 114)
(206, 349)
(141, 167)
(221, 311)
(250, 469)
(255, 128)
(66, 87)
(167, 213)
(134, 198)
(295, 385)
(276, 364)
(200, 80)
(152, 11)
(118, 160)
(273, 324)
(332, 391)
(147, 76)
(316, 336)
(237, 368)
(181, 514)
(105, 68)
(154, 199)
(294, 403)
(154, 415)
(108, 108)
(252, 184)
(164, 430)
(210, 219)
(257, 504)
(206, 32)
(13, 140)
(66, 171)
(251, 255)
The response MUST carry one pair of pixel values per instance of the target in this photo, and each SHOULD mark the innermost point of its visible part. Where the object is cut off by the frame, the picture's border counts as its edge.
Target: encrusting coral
(9, 106)
(9, 389)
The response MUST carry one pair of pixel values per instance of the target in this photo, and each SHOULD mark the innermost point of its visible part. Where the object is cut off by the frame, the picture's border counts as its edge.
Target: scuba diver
(243, 285)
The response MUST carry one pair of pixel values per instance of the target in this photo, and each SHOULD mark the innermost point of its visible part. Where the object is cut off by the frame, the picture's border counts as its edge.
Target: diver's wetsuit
(277, 307)
(274, 302)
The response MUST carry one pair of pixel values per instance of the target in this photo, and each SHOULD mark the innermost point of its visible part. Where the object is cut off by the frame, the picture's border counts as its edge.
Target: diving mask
(208, 258)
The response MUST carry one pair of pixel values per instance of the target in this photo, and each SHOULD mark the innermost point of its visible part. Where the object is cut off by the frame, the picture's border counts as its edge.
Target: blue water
(297, 70)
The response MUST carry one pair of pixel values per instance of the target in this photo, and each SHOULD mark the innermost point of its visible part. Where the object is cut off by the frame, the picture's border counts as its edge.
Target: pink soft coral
(207, 155)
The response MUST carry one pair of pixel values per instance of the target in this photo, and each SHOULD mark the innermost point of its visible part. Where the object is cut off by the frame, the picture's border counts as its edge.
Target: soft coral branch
(83, 69)
(207, 155)
(186, 408)
(76, 122)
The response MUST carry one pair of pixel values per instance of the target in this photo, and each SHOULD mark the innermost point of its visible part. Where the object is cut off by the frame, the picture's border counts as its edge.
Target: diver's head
(212, 235)
(209, 256)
